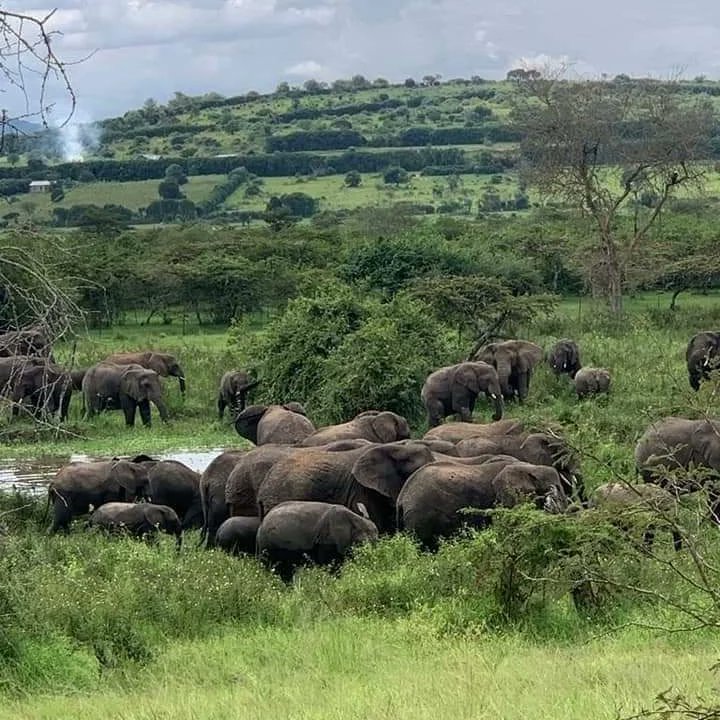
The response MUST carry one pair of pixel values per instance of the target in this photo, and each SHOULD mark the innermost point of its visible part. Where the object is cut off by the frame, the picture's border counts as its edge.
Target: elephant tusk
(493, 396)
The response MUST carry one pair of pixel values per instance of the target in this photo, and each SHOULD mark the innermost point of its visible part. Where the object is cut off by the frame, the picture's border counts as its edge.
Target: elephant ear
(385, 469)
(142, 459)
(513, 485)
(389, 427)
(125, 474)
(334, 528)
(246, 423)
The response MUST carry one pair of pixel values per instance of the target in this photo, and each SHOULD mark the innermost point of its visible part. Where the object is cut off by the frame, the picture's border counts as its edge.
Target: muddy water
(34, 474)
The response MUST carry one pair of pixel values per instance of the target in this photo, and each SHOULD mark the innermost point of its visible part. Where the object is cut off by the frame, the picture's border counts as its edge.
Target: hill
(454, 138)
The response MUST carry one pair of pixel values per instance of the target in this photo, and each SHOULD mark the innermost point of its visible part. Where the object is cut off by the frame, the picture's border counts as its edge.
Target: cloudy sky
(151, 48)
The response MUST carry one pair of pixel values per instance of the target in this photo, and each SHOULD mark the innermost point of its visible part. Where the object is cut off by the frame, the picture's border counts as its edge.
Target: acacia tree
(30, 66)
(601, 147)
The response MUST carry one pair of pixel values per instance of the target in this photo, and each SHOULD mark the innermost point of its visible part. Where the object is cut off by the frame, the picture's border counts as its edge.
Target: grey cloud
(154, 47)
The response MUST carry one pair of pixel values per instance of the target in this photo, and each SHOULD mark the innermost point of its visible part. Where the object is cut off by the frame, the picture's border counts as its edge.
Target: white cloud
(306, 69)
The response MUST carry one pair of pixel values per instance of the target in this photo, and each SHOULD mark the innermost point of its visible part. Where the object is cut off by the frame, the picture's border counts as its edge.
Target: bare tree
(616, 152)
(31, 67)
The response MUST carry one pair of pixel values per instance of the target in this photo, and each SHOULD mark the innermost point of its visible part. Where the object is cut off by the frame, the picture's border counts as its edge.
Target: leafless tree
(31, 67)
(617, 152)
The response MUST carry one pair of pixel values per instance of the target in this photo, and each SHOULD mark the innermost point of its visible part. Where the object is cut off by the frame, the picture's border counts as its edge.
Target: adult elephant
(164, 364)
(286, 424)
(702, 356)
(373, 425)
(455, 432)
(44, 387)
(234, 387)
(672, 448)
(30, 341)
(138, 519)
(535, 448)
(176, 485)
(564, 358)
(80, 486)
(514, 361)
(108, 386)
(372, 476)
(295, 533)
(455, 388)
(248, 474)
(430, 504)
(212, 494)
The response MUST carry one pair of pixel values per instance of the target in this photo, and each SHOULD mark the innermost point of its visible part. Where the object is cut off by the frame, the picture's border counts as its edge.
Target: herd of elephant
(128, 381)
(309, 495)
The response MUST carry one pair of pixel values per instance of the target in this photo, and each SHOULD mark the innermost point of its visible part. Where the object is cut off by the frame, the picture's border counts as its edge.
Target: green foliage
(395, 175)
(383, 364)
(353, 179)
(170, 190)
(176, 173)
(390, 263)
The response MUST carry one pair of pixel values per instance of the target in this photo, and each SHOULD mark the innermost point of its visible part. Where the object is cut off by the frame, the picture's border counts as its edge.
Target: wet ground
(34, 474)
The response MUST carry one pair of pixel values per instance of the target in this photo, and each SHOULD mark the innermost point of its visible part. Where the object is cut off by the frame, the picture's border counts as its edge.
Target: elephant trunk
(178, 538)
(499, 406)
(181, 379)
(504, 370)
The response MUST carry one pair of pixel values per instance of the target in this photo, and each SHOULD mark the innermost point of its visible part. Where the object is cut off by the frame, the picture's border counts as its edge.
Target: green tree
(395, 175)
(176, 174)
(578, 135)
(169, 190)
(353, 179)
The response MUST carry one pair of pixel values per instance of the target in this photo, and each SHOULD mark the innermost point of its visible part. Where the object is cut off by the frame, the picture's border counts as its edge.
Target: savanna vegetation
(402, 228)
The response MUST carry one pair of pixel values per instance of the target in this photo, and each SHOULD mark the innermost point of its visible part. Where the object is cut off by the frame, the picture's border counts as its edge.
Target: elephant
(247, 475)
(535, 448)
(591, 381)
(237, 535)
(373, 425)
(455, 388)
(34, 342)
(623, 498)
(274, 424)
(689, 448)
(702, 356)
(79, 486)
(164, 364)
(212, 494)
(138, 519)
(564, 358)
(178, 486)
(430, 504)
(295, 533)
(372, 475)
(514, 361)
(44, 386)
(109, 386)
(455, 432)
(234, 386)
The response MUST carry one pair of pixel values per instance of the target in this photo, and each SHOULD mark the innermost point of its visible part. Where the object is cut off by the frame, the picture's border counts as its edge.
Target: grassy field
(367, 669)
(132, 195)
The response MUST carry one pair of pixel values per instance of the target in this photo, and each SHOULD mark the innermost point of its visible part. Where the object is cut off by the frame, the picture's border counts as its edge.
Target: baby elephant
(297, 532)
(237, 535)
(564, 358)
(234, 387)
(592, 381)
(137, 519)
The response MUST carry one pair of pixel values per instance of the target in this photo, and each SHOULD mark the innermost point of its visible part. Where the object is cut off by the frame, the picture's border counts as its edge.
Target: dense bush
(341, 353)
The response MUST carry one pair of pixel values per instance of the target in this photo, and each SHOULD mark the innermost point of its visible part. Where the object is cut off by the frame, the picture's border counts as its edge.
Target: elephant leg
(221, 405)
(435, 412)
(128, 405)
(465, 414)
(62, 516)
(144, 407)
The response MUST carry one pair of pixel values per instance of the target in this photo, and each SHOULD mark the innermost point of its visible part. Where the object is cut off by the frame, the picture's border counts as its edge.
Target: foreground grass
(368, 668)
